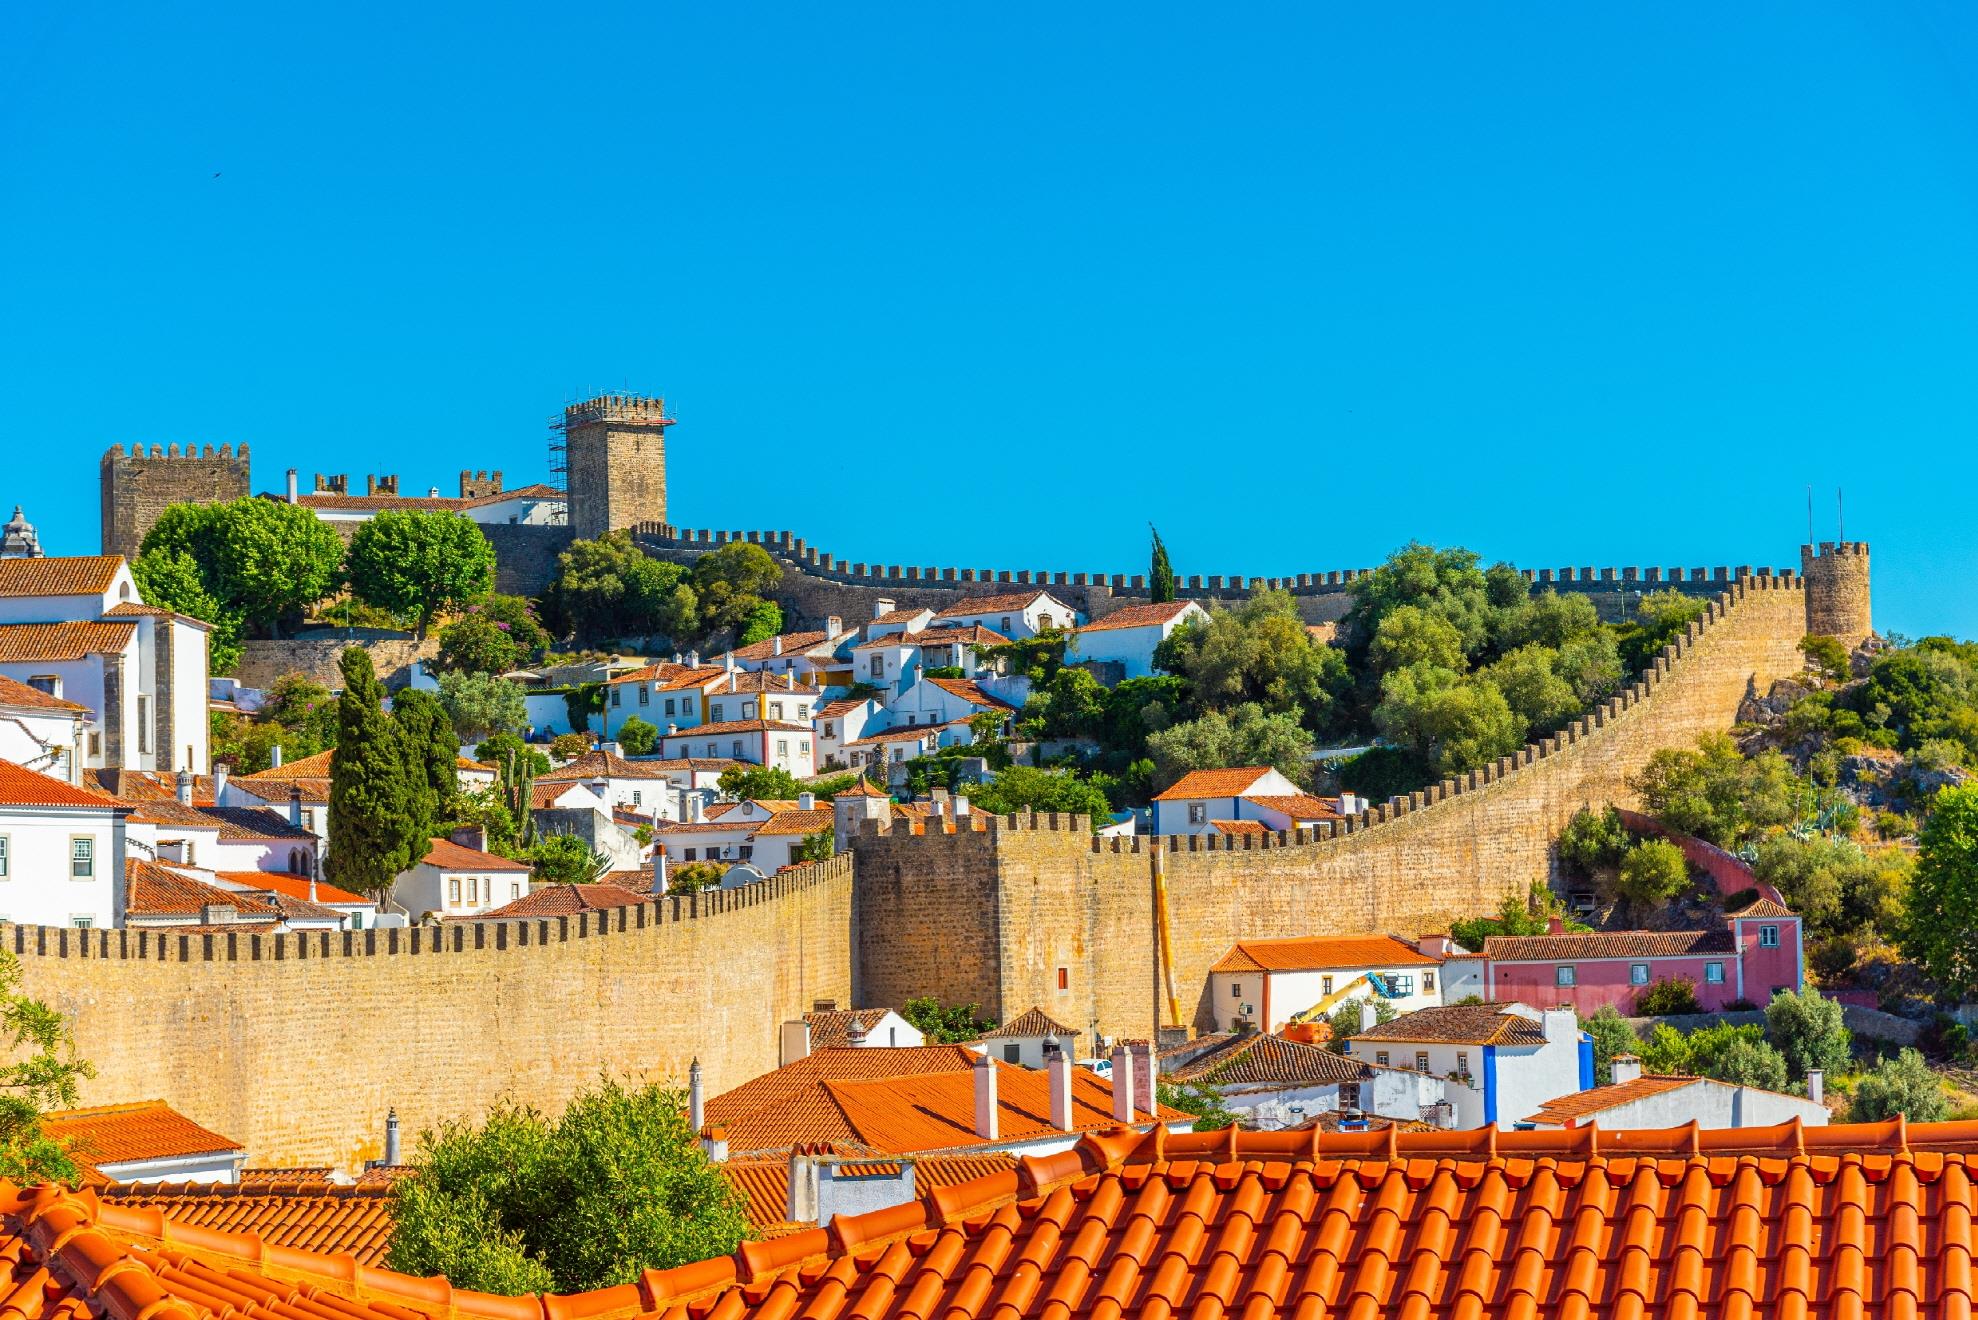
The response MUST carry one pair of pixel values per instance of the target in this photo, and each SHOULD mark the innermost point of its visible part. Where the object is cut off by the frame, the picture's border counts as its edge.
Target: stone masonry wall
(264, 661)
(1060, 899)
(137, 485)
(296, 1045)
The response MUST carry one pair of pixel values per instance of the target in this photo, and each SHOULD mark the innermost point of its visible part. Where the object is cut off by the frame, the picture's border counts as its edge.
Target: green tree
(516, 616)
(1160, 573)
(945, 1024)
(762, 783)
(481, 704)
(1446, 583)
(1410, 635)
(433, 751)
(1669, 997)
(1903, 1085)
(1809, 1030)
(1529, 914)
(1659, 617)
(637, 737)
(1533, 688)
(1592, 840)
(1611, 1036)
(376, 830)
(1022, 787)
(1452, 722)
(1825, 656)
(475, 644)
(1247, 735)
(416, 563)
(307, 712)
(1344, 1021)
(42, 1073)
(731, 582)
(1258, 653)
(171, 579)
(566, 746)
(1940, 927)
(1736, 1054)
(1201, 1102)
(264, 560)
(499, 748)
(1652, 873)
(1547, 619)
(763, 623)
(1714, 792)
(818, 847)
(617, 1185)
(689, 876)
(565, 859)
(608, 587)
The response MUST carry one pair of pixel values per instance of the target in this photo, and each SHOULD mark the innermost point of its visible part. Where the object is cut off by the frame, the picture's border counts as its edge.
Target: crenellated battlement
(617, 408)
(138, 483)
(224, 452)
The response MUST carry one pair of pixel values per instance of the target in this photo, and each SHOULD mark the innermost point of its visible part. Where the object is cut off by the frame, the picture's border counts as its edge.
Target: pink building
(1755, 953)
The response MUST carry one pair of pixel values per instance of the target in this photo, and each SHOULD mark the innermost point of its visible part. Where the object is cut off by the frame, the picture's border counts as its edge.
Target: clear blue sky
(1566, 283)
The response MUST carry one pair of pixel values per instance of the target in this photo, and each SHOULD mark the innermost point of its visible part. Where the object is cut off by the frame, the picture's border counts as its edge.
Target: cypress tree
(1160, 580)
(434, 749)
(377, 790)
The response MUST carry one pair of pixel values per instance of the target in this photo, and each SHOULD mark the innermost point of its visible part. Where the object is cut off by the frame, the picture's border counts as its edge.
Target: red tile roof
(1608, 944)
(131, 608)
(446, 855)
(1848, 1220)
(1010, 601)
(1214, 783)
(59, 575)
(293, 886)
(833, 1030)
(608, 765)
(765, 1182)
(301, 1213)
(1140, 616)
(152, 890)
(973, 634)
(1031, 1022)
(1458, 1024)
(247, 823)
(793, 644)
(52, 642)
(1298, 806)
(22, 787)
(971, 691)
(125, 1133)
(1569, 1109)
(1257, 1059)
(796, 822)
(20, 696)
(1318, 953)
(1239, 827)
(740, 726)
(1764, 907)
(564, 901)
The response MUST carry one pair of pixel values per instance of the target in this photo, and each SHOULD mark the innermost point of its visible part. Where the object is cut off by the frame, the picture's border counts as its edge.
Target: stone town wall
(816, 584)
(1040, 895)
(525, 556)
(296, 1045)
(315, 658)
(137, 485)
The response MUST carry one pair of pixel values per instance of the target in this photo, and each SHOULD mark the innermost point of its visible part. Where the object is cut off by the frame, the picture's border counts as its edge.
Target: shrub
(637, 737)
(566, 745)
(1904, 1085)
(1591, 840)
(1611, 1036)
(1807, 1028)
(1668, 999)
(1653, 872)
(1826, 656)
(1211, 1115)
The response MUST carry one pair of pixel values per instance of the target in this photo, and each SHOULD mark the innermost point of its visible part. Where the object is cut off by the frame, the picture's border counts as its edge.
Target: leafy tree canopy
(769, 783)
(1022, 787)
(1160, 579)
(416, 563)
(1247, 735)
(171, 579)
(1653, 872)
(1904, 1085)
(264, 560)
(1940, 929)
(42, 1073)
(945, 1024)
(638, 737)
(480, 705)
(1446, 583)
(608, 587)
(1260, 654)
(1809, 1031)
(379, 807)
(1715, 793)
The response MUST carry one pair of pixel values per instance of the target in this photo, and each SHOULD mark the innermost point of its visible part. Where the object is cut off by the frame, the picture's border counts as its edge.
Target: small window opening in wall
(1064, 978)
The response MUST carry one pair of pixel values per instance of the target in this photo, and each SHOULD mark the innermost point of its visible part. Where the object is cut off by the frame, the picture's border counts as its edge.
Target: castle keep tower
(138, 485)
(615, 456)
(1837, 591)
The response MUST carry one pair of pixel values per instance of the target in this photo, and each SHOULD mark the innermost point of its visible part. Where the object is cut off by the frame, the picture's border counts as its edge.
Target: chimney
(728, 663)
(714, 1142)
(696, 1098)
(986, 1115)
(834, 626)
(1143, 1074)
(803, 1187)
(694, 810)
(218, 914)
(275, 757)
(185, 788)
(1369, 1015)
(1122, 1083)
(472, 836)
(806, 802)
(658, 869)
(855, 1033)
(961, 805)
(693, 659)
(1555, 926)
(1057, 1068)
(793, 1042)
(220, 773)
(776, 644)
(1816, 1085)
(882, 606)
(293, 495)
(295, 805)
(1561, 1024)
(672, 728)
(312, 880)
(392, 1155)
(1627, 1068)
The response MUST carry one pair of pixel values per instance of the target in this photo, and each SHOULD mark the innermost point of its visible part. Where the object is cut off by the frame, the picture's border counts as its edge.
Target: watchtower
(138, 485)
(615, 462)
(1837, 600)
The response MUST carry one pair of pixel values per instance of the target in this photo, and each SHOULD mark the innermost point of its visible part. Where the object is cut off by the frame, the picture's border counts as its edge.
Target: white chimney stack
(658, 869)
(275, 757)
(1816, 1085)
(1143, 1074)
(806, 801)
(833, 626)
(881, 607)
(1369, 1015)
(986, 1114)
(696, 1098)
(1627, 1068)
(1057, 1069)
(391, 1134)
(185, 788)
(776, 644)
(294, 496)
(295, 805)
(793, 1042)
(1122, 1083)
(220, 773)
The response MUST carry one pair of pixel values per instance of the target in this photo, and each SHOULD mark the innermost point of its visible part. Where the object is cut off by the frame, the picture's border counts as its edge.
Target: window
(6, 856)
(1421, 1061)
(144, 724)
(713, 750)
(686, 705)
(1428, 983)
(1325, 985)
(1380, 1057)
(830, 729)
(714, 711)
(748, 710)
(1463, 1063)
(48, 683)
(82, 921)
(635, 797)
(309, 819)
(1768, 937)
(1006, 625)
(1012, 1054)
(645, 695)
(82, 857)
(899, 754)
(737, 746)
(669, 705)
(453, 890)
(879, 666)
(1064, 978)
(912, 720)
(1563, 977)
(775, 710)
(782, 748)
(803, 711)
(95, 743)
(616, 693)
(1713, 973)
(1638, 974)
(688, 855)
(1236, 989)
(747, 851)
(515, 890)
(1400, 983)
(1198, 813)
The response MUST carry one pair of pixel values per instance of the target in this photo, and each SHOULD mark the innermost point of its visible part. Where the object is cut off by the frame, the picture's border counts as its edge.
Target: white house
(456, 881)
(481, 498)
(1021, 613)
(763, 834)
(663, 694)
(143, 1141)
(1264, 984)
(1275, 1082)
(41, 732)
(1249, 799)
(947, 701)
(887, 620)
(1129, 636)
(806, 656)
(838, 722)
(1638, 1100)
(1021, 1040)
(75, 627)
(828, 1027)
(758, 741)
(895, 747)
(1499, 1061)
(61, 851)
(646, 785)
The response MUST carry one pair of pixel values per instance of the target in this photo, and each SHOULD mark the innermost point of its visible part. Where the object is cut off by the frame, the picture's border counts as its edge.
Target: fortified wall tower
(137, 485)
(1837, 599)
(615, 455)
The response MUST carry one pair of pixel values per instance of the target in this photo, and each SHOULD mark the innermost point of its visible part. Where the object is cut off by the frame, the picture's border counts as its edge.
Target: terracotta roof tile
(301, 1213)
(309, 767)
(1257, 1059)
(1607, 944)
(1571, 1108)
(936, 1110)
(795, 643)
(1214, 783)
(59, 575)
(121, 1134)
(446, 855)
(833, 1030)
(290, 885)
(608, 765)
(22, 787)
(724, 727)
(1032, 1022)
(765, 1183)
(973, 634)
(1764, 907)
(153, 890)
(1009, 601)
(61, 641)
(1459, 1024)
(243, 823)
(1139, 616)
(796, 822)
(971, 691)
(1299, 806)
(19, 696)
(791, 1105)
(1317, 953)
(564, 901)
(900, 616)
(1239, 827)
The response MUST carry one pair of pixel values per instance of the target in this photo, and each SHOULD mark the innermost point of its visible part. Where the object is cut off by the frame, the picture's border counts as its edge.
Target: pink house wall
(1606, 981)
(1767, 969)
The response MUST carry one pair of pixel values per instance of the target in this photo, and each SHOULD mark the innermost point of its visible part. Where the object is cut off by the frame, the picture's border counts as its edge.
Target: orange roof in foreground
(22, 787)
(118, 1134)
(1214, 783)
(308, 1214)
(1848, 1220)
